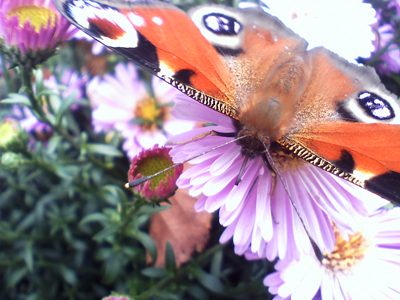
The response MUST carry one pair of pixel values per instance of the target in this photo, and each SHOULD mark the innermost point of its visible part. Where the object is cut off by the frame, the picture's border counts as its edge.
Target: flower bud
(11, 160)
(146, 164)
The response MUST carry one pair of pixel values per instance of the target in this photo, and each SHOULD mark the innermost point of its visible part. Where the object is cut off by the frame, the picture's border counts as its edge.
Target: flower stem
(6, 74)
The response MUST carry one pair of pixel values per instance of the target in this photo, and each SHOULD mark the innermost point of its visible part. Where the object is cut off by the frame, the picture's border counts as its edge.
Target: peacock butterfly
(247, 65)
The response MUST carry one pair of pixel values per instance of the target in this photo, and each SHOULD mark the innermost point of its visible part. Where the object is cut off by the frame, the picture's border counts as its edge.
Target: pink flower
(122, 102)
(34, 27)
(257, 212)
(364, 266)
(147, 163)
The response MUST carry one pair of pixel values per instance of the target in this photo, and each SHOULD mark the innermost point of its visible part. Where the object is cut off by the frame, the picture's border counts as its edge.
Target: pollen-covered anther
(346, 253)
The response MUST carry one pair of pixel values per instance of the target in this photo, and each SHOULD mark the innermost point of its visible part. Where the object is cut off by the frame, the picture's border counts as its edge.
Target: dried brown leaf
(185, 229)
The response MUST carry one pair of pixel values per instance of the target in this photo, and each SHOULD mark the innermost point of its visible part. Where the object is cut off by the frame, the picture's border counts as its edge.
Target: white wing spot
(135, 19)
(157, 20)
(212, 22)
(364, 95)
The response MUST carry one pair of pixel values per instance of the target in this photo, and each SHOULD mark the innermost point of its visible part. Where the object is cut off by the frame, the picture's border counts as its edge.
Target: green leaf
(197, 292)
(68, 172)
(107, 150)
(15, 277)
(105, 233)
(140, 220)
(68, 275)
(65, 105)
(149, 209)
(113, 194)
(209, 281)
(154, 272)
(216, 263)
(28, 256)
(170, 260)
(94, 217)
(114, 266)
(27, 222)
(148, 244)
(14, 98)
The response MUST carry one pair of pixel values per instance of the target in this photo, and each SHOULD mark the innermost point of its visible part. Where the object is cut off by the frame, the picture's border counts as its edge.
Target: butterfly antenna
(203, 135)
(271, 164)
(143, 179)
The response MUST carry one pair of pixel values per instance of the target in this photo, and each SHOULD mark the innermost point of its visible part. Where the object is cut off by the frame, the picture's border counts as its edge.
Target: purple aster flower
(122, 102)
(67, 83)
(386, 47)
(257, 212)
(366, 265)
(32, 29)
(29, 122)
(390, 56)
(395, 4)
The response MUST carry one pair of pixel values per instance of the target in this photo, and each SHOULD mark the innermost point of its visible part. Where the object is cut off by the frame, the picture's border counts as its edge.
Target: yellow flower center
(38, 17)
(152, 165)
(149, 112)
(346, 253)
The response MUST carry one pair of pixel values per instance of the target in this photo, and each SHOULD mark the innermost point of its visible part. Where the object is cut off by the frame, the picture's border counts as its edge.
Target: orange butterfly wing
(370, 152)
(336, 131)
(175, 33)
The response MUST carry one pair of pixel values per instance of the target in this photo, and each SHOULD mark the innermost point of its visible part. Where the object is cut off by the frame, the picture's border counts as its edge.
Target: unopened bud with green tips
(12, 160)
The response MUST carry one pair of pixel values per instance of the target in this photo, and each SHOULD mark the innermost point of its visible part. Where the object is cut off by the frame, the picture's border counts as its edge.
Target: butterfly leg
(241, 171)
(272, 170)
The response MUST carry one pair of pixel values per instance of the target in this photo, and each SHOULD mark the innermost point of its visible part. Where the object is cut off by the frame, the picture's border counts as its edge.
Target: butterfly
(249, 66)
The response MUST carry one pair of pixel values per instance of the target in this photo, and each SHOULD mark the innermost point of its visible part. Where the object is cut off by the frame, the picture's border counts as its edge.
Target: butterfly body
(249, 66)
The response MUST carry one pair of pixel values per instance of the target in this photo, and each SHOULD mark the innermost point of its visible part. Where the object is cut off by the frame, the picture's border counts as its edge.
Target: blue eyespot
(222, 24)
